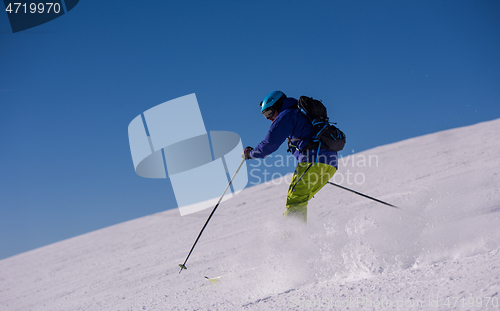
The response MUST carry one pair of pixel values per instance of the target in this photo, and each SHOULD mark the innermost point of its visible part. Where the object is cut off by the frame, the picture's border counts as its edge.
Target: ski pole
(363, 195)
(183, 265)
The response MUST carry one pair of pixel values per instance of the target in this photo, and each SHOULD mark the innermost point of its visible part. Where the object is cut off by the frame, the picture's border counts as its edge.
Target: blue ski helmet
(271, 103)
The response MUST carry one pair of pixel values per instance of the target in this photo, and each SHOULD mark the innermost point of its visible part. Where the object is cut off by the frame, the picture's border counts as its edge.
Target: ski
(242, 274)
(215, 280)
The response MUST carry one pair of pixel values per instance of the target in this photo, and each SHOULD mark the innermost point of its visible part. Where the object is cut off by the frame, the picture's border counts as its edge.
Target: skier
(315, 167)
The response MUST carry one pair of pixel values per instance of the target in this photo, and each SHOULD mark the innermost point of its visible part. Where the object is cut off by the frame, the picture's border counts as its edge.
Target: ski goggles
(268, 113)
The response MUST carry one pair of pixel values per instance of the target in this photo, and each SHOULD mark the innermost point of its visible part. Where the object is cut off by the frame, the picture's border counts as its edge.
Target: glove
(246, 153)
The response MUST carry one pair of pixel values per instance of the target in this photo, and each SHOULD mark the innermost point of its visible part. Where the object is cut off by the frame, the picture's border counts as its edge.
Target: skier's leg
(324, 173)
(297, 197)
(306, 182)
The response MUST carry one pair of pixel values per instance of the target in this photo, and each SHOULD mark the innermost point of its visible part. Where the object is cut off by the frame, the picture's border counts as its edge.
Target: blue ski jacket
(294, 125)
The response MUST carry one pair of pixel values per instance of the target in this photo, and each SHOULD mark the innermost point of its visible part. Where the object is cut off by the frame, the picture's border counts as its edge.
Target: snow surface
(440, 252)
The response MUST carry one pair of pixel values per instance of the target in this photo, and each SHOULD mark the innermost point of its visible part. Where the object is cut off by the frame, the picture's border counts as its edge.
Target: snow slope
(441, 251)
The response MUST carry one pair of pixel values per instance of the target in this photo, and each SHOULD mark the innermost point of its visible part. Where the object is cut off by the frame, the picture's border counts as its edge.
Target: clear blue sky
(387, 70)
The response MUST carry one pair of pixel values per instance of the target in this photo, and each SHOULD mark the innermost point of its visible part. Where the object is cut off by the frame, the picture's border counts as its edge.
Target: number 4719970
(14, 8)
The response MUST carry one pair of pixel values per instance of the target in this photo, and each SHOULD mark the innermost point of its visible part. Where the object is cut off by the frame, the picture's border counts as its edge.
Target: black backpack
(327, 135)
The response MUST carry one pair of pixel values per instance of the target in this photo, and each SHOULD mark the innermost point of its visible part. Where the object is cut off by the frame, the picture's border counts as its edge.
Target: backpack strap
(291, 142)
(319, 122)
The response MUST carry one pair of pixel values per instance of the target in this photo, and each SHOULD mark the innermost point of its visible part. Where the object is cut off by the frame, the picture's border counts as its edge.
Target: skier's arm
(278, 132)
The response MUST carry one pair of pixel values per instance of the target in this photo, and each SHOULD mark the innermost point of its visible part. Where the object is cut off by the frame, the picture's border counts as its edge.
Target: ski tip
(213, 280)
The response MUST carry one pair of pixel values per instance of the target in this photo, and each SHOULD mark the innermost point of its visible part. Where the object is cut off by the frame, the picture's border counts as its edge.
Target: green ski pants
(307, 180)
